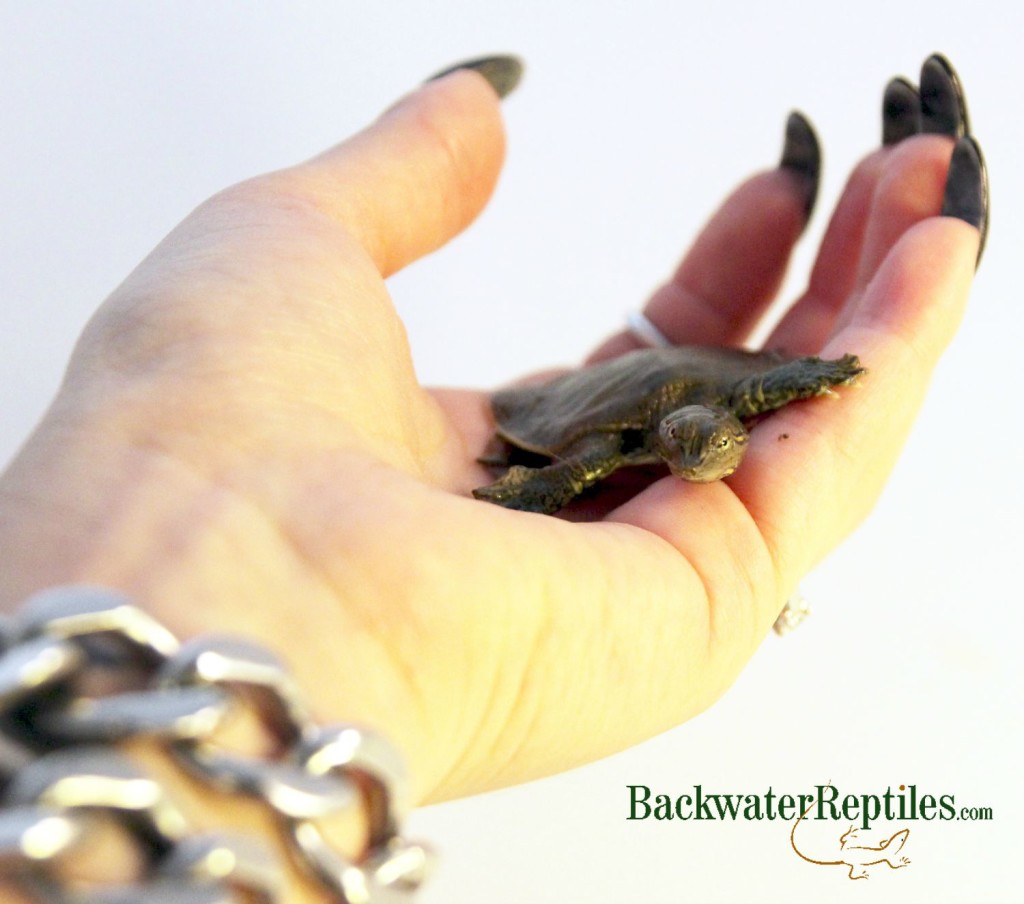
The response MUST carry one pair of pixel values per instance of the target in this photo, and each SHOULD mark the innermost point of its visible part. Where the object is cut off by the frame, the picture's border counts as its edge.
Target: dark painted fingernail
(502, 72)
(966, 196)
(801, 154)
(901, 111)
(943, 105)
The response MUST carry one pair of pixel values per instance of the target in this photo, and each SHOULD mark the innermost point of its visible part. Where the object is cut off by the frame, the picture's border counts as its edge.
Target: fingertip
(420, 173)
(502, 72)
(801, 156)
(967, 193)
(943, 104)
(901, 111)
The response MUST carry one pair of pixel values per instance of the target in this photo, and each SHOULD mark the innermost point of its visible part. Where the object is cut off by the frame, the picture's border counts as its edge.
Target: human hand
(241, 445)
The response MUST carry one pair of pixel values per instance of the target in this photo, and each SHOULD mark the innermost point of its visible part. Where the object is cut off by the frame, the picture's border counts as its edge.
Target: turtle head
(700, 443)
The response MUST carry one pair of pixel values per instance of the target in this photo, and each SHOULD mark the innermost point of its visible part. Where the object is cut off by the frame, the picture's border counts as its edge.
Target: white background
(632, 123)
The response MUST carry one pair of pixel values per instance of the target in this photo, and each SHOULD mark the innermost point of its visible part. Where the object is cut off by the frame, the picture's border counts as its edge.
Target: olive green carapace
(682, 406)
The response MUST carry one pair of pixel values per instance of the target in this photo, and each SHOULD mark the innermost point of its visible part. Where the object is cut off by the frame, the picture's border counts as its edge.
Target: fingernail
(502, 72)
(966, 195)
(943, 106)
(901, 111)
(801, 154)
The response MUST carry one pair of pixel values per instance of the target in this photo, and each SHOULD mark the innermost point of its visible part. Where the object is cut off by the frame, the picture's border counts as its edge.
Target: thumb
(423, 171)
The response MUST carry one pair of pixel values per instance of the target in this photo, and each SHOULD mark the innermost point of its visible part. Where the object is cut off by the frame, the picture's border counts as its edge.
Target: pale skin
(241, 445)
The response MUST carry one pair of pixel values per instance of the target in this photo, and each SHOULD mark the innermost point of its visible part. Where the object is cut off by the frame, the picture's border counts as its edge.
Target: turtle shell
(629, 392)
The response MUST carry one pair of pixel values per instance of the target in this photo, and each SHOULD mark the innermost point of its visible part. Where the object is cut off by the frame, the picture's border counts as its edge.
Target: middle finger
(893, 188)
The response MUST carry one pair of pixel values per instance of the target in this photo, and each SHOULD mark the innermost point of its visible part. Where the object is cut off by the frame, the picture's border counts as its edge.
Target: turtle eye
(724, 442)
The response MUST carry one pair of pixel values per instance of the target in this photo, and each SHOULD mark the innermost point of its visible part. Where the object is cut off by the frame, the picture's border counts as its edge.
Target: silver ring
(646, 332)
(792, 614)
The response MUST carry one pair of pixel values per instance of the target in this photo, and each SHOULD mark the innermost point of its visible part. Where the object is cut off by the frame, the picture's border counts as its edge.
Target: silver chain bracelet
(61, 778)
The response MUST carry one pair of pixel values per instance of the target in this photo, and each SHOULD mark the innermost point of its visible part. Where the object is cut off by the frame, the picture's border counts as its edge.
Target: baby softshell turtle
(683, 406)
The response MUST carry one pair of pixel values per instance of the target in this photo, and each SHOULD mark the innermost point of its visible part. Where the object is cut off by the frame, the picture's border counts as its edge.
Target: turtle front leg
(550, 488)
(799, 379)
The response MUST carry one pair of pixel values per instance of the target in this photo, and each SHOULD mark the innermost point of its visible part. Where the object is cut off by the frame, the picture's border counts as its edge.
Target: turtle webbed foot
(803, 378)
(807, 377)
(527, 490)
(836, 373)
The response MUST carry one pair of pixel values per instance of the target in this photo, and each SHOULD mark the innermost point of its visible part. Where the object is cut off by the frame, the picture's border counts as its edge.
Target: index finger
(900, 326)
(805, 494)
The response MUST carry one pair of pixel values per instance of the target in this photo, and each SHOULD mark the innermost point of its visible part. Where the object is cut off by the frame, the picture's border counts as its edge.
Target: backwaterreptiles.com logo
(852, 849)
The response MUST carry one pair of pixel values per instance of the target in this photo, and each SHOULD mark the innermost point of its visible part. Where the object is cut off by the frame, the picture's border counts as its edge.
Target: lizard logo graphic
(858, 857)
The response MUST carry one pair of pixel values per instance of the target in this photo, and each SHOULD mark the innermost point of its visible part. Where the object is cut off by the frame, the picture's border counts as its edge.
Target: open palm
(241, 444)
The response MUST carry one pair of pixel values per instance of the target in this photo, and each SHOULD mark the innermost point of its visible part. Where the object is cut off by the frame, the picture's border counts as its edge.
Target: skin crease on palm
(241, 445)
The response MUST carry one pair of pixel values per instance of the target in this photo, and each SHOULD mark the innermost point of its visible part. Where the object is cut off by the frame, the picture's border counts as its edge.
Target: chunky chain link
(62, 783)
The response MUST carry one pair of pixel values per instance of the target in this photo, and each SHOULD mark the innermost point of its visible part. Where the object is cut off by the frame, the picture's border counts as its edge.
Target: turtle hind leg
(550, 488)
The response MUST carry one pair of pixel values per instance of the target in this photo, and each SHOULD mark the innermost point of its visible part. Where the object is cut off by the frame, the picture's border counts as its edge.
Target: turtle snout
(701, 444)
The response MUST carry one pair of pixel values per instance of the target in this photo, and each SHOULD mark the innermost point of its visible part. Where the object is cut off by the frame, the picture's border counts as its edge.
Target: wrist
(200, 558)
(67, 789)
